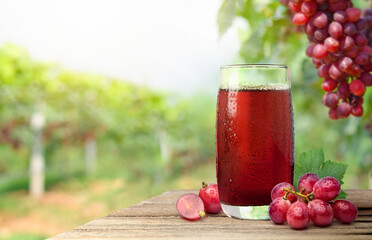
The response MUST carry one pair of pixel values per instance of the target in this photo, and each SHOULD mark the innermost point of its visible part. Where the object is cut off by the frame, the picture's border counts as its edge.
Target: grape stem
(307, 197)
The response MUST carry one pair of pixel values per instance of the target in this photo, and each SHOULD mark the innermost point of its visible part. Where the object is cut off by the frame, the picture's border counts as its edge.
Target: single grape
(321, 33)
(317, 63)
(357, 111)
(343, 110)
(309, 50)
(323, 71)
(357, 87)
(309, 8)
(327, 188)
(354, 70)
(362, 58)
(209, 195)
(346, 43)
(306, 182)
(294, 7)
(277, 191)
(335, 72)
(339, 16)
(190, 206)
(320, 19)
(330, 99)
(360, 40)
(344, 211)
(329, 84)
(321, 213)
(331, 44)
(352, 14)
(298, 215)
(300, 18)
(310, 27)
(335, 29)
(278, 210)
(343, 90)
(349, 28)
(320, 51)
(351, 53)
(366, 78)
(337, 6)
(332, 114)
(345, 63)
(361, 24)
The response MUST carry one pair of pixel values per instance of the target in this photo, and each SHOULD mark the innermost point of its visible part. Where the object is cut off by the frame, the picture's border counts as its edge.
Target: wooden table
(157, 218)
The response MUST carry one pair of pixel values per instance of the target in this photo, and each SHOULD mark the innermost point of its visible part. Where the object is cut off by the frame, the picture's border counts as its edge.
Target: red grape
(339, 16)
(366, 78)
(332, 114)
(277, 191)
(331, 44)
(298, 215)
(309, 8)
(321, 33)
(190, 206)
(345, 63)
(306, 182)
(346, 43)
(352, 14)
(343, 110)
(349, 28)
(299, 18)
(357, 111)
(335, 72)
(344, 211)
(209, 195)
(361, 24)
(337, 6)
(362, 58)
(335, 29)
(278, 210)
(327, 188)
(357, 87)
(360, 40)
(343, 90)
(323, 71)
(330, 100)
(320, 51)
(329, 84)
(321, 213)
(294, 7)
(320, 19)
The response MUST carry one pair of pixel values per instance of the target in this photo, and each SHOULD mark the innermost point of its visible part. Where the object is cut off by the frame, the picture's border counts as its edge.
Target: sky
(171, 45)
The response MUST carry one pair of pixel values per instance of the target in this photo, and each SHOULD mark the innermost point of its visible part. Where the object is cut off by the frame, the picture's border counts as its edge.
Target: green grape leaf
(314, 161)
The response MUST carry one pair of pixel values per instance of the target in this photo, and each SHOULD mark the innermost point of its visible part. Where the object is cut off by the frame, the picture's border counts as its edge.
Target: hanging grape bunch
(339, 50)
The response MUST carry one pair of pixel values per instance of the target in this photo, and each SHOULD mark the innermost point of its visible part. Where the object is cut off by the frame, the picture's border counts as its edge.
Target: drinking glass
(254, 137)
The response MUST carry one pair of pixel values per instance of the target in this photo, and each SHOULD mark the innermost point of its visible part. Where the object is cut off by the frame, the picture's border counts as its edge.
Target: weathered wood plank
(157, 218)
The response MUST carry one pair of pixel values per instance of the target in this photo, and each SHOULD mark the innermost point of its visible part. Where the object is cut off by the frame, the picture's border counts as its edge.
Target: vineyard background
(104, 143)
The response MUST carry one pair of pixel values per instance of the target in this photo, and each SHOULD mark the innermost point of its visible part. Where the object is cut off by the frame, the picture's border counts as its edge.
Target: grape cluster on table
(339, 50)
(312, 202)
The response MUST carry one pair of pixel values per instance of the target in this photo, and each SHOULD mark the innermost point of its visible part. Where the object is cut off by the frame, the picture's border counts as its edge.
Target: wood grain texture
(157, 218)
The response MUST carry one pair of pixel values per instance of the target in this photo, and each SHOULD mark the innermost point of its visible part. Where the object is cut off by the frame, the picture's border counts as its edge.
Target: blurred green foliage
(140, 133)
(268, 36)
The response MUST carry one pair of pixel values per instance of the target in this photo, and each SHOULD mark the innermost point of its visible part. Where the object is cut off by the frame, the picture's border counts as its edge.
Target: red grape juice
(254, 144)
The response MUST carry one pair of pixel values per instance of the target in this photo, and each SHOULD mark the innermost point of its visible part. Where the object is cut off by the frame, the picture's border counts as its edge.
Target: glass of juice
(254, 137)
